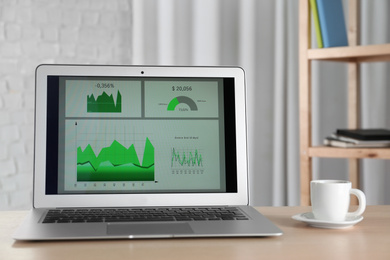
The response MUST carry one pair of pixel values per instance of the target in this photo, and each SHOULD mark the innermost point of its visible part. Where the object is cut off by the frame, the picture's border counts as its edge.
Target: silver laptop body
(130, 138)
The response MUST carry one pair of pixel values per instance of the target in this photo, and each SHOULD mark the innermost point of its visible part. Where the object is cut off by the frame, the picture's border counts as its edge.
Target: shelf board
(367, 53)
(357, 153)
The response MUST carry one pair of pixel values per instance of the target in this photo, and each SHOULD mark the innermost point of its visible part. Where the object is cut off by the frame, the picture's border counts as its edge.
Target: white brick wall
(47, 31)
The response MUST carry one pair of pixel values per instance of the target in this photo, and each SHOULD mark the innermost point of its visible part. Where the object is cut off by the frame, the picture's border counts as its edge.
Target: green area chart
(115, 163)
(104, 103)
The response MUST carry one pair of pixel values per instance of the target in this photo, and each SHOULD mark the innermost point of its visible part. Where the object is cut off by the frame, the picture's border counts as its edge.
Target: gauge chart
(182, 100)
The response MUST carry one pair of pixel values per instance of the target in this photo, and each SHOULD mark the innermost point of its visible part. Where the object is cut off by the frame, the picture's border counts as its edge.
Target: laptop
(127, 152)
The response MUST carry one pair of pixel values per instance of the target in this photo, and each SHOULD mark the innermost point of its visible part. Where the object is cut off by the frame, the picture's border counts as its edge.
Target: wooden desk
(370, 239)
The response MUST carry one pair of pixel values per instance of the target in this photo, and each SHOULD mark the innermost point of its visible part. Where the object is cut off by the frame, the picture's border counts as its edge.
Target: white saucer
(308, 218)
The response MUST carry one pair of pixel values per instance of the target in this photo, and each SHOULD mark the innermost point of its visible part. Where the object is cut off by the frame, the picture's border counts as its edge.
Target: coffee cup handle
(362, 203)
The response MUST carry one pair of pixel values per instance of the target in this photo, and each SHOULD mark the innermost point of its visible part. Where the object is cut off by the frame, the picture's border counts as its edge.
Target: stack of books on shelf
(329, 23)
(359, 138)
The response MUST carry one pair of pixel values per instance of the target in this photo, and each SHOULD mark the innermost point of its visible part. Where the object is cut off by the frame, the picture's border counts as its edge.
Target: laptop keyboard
(143, 214)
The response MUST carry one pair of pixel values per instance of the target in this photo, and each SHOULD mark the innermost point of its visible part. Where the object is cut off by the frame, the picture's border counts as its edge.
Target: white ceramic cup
(330, 200)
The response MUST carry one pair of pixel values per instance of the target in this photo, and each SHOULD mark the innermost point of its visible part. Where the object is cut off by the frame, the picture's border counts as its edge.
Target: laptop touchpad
(148, 229)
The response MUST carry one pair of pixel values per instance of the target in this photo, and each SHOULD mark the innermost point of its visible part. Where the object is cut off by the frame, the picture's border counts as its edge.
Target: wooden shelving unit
(352, 55)
(369, 53)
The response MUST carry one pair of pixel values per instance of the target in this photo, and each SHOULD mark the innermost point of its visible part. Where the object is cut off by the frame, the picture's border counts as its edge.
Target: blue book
(332, 23)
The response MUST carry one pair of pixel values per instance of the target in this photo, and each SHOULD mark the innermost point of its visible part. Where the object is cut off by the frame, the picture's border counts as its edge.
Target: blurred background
(260, 36)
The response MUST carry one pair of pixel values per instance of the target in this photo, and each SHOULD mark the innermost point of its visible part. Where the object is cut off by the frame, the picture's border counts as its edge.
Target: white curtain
(262, 37)
(376, 97)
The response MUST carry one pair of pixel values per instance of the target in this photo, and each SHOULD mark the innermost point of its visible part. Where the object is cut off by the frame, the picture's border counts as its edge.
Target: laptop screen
(128, 134)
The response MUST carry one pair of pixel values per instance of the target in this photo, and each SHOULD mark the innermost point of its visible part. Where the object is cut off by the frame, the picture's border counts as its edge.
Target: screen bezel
(41, 199)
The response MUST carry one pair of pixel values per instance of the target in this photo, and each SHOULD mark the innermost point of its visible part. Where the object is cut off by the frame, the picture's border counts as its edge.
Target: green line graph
(115, 163)
(104, 103)
(193, 159)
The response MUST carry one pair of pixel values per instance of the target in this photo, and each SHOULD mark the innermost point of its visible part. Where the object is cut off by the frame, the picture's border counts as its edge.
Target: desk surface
(370, 239)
